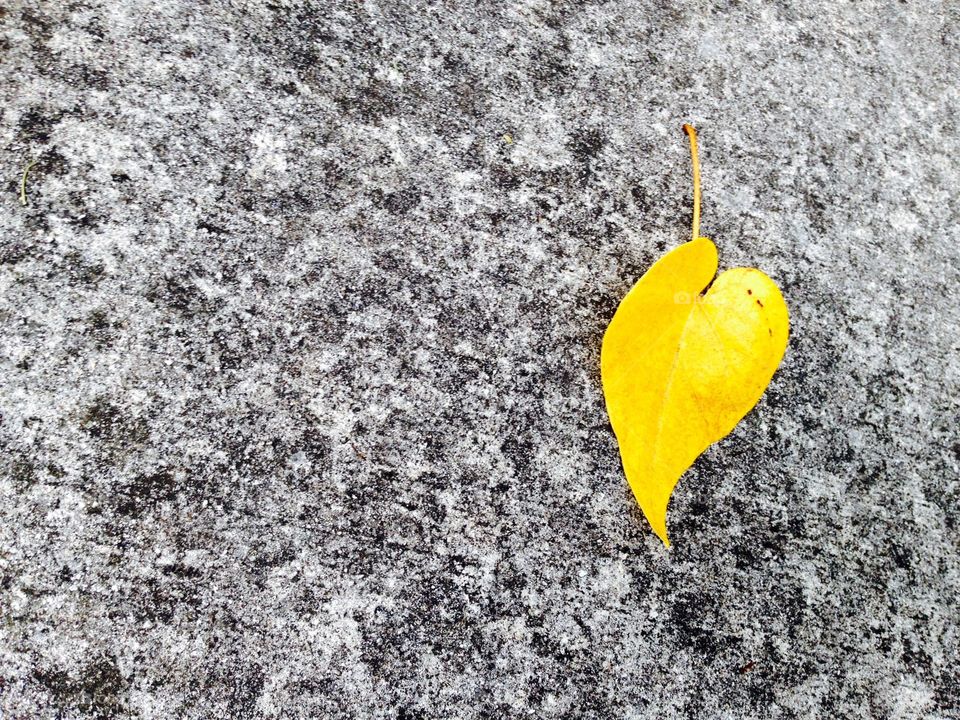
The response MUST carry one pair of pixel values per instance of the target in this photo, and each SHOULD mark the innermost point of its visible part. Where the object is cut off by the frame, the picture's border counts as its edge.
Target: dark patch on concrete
(145, 492)
(116, 433)
(402, 201)
(98, 691)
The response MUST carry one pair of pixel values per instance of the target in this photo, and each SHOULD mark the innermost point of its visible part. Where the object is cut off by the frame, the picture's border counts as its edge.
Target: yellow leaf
(680, 368)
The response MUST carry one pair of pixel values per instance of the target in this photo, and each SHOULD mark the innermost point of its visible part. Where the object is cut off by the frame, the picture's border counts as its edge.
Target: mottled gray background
(300, 411)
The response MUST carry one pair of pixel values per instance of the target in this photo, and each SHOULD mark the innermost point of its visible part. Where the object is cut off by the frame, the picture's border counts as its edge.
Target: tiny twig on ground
(359, 454)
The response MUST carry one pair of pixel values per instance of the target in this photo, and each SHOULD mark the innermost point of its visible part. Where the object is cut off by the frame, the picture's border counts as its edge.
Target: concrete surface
(300, 411)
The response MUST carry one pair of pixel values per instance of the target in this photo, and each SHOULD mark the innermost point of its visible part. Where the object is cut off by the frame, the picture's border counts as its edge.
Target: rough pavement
(300, 410)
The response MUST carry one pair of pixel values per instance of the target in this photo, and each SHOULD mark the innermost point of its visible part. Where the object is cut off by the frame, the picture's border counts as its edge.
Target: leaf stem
(23, 182)
(695, 157)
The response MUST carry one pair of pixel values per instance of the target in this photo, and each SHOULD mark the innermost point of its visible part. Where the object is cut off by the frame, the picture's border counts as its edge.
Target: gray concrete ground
(300, 410)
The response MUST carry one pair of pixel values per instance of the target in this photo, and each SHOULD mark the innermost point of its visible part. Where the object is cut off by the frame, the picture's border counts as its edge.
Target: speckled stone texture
(300, 408)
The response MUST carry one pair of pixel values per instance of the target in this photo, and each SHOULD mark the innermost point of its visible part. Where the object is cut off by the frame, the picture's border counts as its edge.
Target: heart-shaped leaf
(681, 366)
